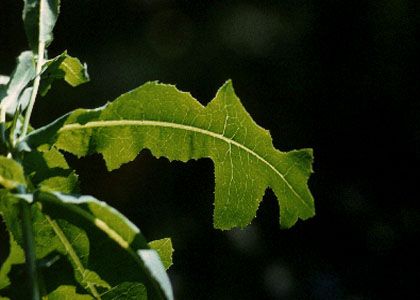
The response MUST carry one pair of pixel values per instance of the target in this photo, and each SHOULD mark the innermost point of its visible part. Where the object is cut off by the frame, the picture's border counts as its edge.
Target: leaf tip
(227, 86)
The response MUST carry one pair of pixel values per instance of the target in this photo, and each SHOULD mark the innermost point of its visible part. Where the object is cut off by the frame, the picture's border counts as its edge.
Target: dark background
(336, 76)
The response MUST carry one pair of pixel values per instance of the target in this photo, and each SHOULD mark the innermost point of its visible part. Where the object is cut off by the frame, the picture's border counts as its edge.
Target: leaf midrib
(72, 253)
(115, 123)
(70, 70)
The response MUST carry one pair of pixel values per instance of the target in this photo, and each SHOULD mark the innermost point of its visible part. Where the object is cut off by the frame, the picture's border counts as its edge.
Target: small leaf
(66, 292)
(173, 124)
(11, 173)
(126, 291)
(164, 248)
(75, 73)
(63, 66)
(22, 75)
(39, 18)
(91, 278)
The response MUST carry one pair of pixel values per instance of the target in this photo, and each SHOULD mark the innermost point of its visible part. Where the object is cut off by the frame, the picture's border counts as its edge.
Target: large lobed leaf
(173, 124)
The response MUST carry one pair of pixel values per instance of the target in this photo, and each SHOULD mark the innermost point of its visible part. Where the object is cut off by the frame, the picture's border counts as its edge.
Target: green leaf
(66, 292)
(11, 173)
(164, 248)
(75, 73)
(39, 18)
(54, 235)
(15, 92)
(10, 212)
(173, 124)
(49, 171)
(119, 230)
(16, 254)
(64, 184)
(63, 66)
(69, 240)
(91, 278)
(126, 291)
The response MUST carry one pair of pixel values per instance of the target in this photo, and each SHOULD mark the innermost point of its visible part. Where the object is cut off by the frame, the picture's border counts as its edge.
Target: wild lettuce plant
(65, 245)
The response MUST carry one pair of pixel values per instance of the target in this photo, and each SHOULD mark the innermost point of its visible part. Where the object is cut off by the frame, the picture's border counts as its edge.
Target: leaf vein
(230, 141)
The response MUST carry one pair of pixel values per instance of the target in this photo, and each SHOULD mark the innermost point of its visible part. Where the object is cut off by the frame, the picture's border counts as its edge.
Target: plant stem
(29, 243)
(28, 235)
(39, 63)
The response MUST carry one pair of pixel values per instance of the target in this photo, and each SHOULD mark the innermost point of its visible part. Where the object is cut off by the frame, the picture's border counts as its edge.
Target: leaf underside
(173, 124)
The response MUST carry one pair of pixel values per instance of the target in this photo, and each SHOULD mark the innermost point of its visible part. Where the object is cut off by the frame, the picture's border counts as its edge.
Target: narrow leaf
(173, 124)
(21, 76)
(39, 18)
(164, 248)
